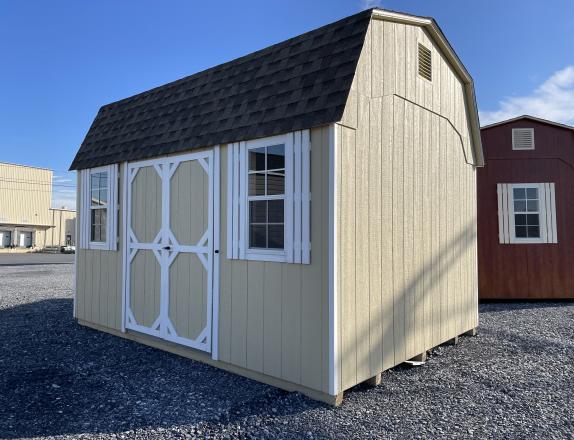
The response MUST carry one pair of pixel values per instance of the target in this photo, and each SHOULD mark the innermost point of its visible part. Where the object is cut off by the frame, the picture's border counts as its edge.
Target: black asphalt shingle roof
(300, 83)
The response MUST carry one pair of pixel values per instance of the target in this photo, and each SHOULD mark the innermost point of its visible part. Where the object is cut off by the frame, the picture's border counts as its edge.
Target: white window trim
(112, 206)
(547, 213)
(514, 131)
(541, 213)
(258, 253)
(297, 200)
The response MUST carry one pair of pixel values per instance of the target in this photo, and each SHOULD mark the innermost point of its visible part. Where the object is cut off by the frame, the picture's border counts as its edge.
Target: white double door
(169, 252)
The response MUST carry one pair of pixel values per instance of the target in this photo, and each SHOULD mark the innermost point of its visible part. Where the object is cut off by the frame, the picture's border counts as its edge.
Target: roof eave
(532, 118)
(436, 33)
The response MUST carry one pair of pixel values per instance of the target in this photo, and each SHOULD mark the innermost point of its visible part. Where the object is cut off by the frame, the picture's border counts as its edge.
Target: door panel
(146, 205)
(169, 284)
(188, 296)
(188, 202)
(145, 279)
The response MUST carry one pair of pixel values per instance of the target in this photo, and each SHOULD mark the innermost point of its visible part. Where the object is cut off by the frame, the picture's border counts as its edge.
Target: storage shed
(525, 211)
(304, 215)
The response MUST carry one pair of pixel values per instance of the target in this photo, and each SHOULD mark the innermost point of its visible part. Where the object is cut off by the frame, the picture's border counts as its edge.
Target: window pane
(93, 229)
(257, 236)
(520, 219)
(98, 225)
(104, 213)
(95, 181)
(520, 205)
(276, 211)
(96, 198)
(532, 219)
(103, 196)
(519, 193)
(258, 212)
(532, 205)
(275, 157)
(275, 184)
(532, 193)
(257, 159)
(533, 231)
(98, 188)
(276, 236)
(257, 184)
(520, 231)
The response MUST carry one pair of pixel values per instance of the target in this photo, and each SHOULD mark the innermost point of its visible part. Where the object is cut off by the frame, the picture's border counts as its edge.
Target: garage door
(170, 229)
(25, 239)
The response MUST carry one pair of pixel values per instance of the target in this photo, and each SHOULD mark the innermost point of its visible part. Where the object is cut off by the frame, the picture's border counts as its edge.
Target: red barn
(526, 210)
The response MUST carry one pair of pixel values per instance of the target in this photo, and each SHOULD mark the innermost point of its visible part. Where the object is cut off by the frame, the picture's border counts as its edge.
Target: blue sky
(61, 60)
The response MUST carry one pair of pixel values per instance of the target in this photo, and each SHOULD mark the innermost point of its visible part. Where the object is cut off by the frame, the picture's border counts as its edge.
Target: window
(526, 208)
(268, 217)
(98, 208)
(527, 213)
(425, 62)
(523, 139)
(266, 196)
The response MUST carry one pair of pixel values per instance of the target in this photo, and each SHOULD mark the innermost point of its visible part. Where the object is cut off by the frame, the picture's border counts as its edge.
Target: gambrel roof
(297, 84)
(301, 83)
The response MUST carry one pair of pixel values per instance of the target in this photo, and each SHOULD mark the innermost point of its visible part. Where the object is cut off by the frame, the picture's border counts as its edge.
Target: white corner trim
(333, 275)
(123, 244)
(230, 199)
(216, 253)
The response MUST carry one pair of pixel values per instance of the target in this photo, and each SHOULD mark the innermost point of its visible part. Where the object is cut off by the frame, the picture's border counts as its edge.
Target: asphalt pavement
(13, 259)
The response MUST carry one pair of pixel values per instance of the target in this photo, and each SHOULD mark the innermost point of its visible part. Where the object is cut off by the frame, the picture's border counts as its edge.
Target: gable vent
(425, 65)
(523, 139)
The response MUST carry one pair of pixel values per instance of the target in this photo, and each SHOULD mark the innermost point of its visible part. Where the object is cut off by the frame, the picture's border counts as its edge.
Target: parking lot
(514, 380)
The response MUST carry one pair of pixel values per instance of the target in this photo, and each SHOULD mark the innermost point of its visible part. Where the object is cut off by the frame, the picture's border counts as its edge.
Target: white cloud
(368, 4)
(553, 100)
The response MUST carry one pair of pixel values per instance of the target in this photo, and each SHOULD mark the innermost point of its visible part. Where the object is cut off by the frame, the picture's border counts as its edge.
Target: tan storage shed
(304, 215)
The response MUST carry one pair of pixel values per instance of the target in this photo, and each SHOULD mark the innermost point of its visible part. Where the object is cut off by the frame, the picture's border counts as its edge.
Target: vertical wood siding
(406, 209)
(273, 316)
(99, 279)
(526, 271)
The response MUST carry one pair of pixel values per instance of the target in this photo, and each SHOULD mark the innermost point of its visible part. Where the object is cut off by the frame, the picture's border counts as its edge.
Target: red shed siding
(526, 271)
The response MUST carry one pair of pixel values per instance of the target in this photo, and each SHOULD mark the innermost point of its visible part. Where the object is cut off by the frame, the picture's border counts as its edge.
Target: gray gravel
(514, 380)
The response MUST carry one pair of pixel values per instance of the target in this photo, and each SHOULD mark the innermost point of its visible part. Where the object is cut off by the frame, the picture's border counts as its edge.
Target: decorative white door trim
(166, 247)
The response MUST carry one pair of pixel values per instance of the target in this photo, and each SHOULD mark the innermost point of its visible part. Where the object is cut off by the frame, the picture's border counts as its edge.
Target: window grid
(266, 227)
(526, 209)
(98, 206)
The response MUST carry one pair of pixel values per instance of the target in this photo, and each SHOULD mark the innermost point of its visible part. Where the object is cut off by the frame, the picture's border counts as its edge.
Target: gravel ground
(514, 380)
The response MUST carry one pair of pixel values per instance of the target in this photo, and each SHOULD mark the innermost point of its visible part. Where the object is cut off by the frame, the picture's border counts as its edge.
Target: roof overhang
(431, 26)
(532, 118)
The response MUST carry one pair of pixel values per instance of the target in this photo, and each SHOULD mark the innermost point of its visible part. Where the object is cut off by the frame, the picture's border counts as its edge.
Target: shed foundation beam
(471, 332)
(452, 341)
(420, 357)
(334, 400)
(373, 381)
